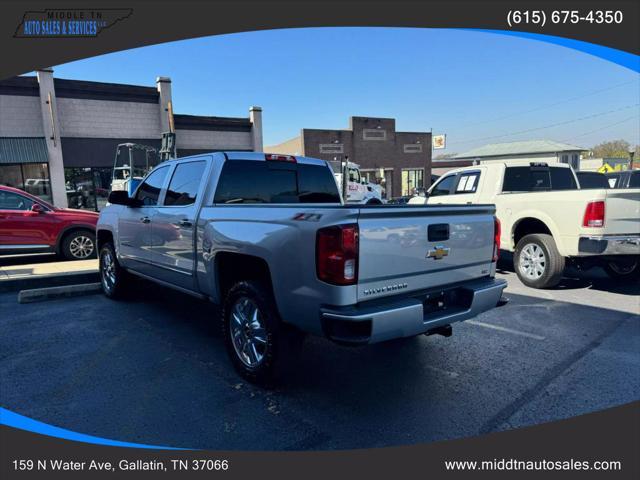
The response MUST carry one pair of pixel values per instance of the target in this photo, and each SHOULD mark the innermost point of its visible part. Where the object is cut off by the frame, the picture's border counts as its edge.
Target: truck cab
(359, 190)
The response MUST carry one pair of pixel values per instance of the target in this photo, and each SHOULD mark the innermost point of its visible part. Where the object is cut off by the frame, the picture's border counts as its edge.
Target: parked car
(31, 225)
(624, 179)
(591, 180)
(547, 221)
(269, 238)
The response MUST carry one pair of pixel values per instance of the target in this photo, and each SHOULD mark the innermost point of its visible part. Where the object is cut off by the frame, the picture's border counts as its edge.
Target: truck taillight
(497, 231)
(337, 254)
(594, 215)
(271, 157)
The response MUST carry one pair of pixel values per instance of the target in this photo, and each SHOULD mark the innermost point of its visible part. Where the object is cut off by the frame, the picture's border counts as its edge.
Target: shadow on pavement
(594, 278)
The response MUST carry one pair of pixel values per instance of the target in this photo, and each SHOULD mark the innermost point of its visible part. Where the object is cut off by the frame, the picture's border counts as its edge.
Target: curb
(46, 281)
(41, 294)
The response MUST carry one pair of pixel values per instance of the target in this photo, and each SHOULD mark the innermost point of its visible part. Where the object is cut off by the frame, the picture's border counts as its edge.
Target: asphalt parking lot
(153, 369)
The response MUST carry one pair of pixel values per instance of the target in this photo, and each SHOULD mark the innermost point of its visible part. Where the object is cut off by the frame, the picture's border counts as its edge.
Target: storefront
(23, 165)
(412, 179)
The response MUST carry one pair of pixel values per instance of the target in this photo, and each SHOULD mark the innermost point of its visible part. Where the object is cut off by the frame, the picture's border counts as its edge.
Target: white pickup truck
(547, 220)
(359, 190)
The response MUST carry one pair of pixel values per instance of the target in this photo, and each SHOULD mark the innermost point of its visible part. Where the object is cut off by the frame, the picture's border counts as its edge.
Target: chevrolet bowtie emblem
(438, 252)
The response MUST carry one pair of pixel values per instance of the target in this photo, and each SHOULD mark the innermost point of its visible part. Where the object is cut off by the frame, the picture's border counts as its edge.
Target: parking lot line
(507, 330)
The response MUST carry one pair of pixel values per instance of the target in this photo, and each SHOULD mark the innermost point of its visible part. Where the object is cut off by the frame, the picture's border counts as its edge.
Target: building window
(33, 178)
(331, 148)
(412, 148)
(412, 179)
(374, 134)
(87, 188)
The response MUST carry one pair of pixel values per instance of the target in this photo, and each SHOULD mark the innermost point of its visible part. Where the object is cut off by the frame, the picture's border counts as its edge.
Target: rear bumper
(409, 316)
(609, 245)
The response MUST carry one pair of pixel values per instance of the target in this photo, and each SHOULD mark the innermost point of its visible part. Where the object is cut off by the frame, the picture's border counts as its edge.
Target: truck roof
(260, 156)
(493, 165)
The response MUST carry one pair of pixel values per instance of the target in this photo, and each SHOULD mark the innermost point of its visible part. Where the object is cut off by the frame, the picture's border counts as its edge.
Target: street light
(632, 152)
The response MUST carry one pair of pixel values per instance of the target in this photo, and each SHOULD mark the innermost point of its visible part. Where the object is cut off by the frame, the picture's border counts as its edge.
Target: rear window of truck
(249, 181)
(534, 179)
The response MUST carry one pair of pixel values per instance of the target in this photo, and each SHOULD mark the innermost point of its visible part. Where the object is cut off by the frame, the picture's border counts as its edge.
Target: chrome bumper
(609, 245)
(411, 316)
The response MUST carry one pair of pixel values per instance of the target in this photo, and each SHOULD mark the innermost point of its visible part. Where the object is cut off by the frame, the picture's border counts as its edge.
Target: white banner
(439, 142)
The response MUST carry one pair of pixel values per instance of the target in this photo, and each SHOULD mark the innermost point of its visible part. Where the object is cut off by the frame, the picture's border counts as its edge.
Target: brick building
(58, 137)
(374, 144)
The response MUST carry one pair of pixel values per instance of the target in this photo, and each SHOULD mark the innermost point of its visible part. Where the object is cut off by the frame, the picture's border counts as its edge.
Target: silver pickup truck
(268, 237)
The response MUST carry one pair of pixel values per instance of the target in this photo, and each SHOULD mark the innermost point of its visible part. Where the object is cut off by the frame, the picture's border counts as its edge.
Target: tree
(613, 149)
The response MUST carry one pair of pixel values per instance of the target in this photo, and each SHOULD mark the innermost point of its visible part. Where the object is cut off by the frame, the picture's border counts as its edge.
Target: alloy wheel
(532, 262)
(81, 247)
(248, 333)
(108, 270)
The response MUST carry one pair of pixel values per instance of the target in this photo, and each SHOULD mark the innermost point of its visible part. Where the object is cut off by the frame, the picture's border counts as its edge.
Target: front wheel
(258, 343)
(623, 269)
(537, 261)
(113, 277)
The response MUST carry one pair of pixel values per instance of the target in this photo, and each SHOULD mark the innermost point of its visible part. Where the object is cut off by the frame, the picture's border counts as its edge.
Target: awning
(23, 150)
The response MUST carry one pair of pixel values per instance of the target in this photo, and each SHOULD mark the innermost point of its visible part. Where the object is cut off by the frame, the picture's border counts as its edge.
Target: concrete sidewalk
(38, 275)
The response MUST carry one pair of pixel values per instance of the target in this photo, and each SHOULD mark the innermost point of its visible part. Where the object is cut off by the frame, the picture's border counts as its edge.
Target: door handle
(145, 219)
(185, 223)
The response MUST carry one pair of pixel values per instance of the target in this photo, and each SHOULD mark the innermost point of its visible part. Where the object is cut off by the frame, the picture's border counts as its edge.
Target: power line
(604, 128)
(551, 105)
(595, 115)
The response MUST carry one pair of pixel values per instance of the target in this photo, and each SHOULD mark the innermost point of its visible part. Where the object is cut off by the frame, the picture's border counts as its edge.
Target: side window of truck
(149, 191)
(185, 183)
(562, 179)
(443, 187)
(467, 183)
(535, 179)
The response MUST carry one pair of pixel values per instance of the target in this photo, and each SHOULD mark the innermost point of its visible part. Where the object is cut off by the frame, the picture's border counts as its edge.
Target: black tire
(277, 345)
(113, 278)
(373, 201)
(548, 272)
(79, 245)
(623, 269)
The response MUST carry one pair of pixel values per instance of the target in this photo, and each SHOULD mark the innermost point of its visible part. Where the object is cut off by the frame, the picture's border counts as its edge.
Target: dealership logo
(69, 23)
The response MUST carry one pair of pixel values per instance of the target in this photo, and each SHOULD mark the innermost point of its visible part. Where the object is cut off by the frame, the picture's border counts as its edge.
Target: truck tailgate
(622, 212)
(408, 248)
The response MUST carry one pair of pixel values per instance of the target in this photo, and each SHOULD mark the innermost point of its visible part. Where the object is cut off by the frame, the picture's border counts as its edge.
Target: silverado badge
(438, 252)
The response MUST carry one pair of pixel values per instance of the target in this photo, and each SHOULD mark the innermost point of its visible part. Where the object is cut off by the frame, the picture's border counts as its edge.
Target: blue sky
(476, 87)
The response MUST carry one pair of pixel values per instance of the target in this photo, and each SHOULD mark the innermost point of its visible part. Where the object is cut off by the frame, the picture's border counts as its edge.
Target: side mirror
(37, 208)
(121, 197)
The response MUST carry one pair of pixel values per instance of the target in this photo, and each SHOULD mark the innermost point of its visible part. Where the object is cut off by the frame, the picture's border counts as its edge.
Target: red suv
(29, 225)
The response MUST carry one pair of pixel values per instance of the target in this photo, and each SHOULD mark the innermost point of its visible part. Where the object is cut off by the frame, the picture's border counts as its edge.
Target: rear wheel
(259, 344)
(373, 201)
(79, 245)
(113, 277)
(537, 261)
(628, 268)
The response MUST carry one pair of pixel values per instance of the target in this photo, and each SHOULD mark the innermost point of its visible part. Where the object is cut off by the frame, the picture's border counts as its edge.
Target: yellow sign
(605, 168)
